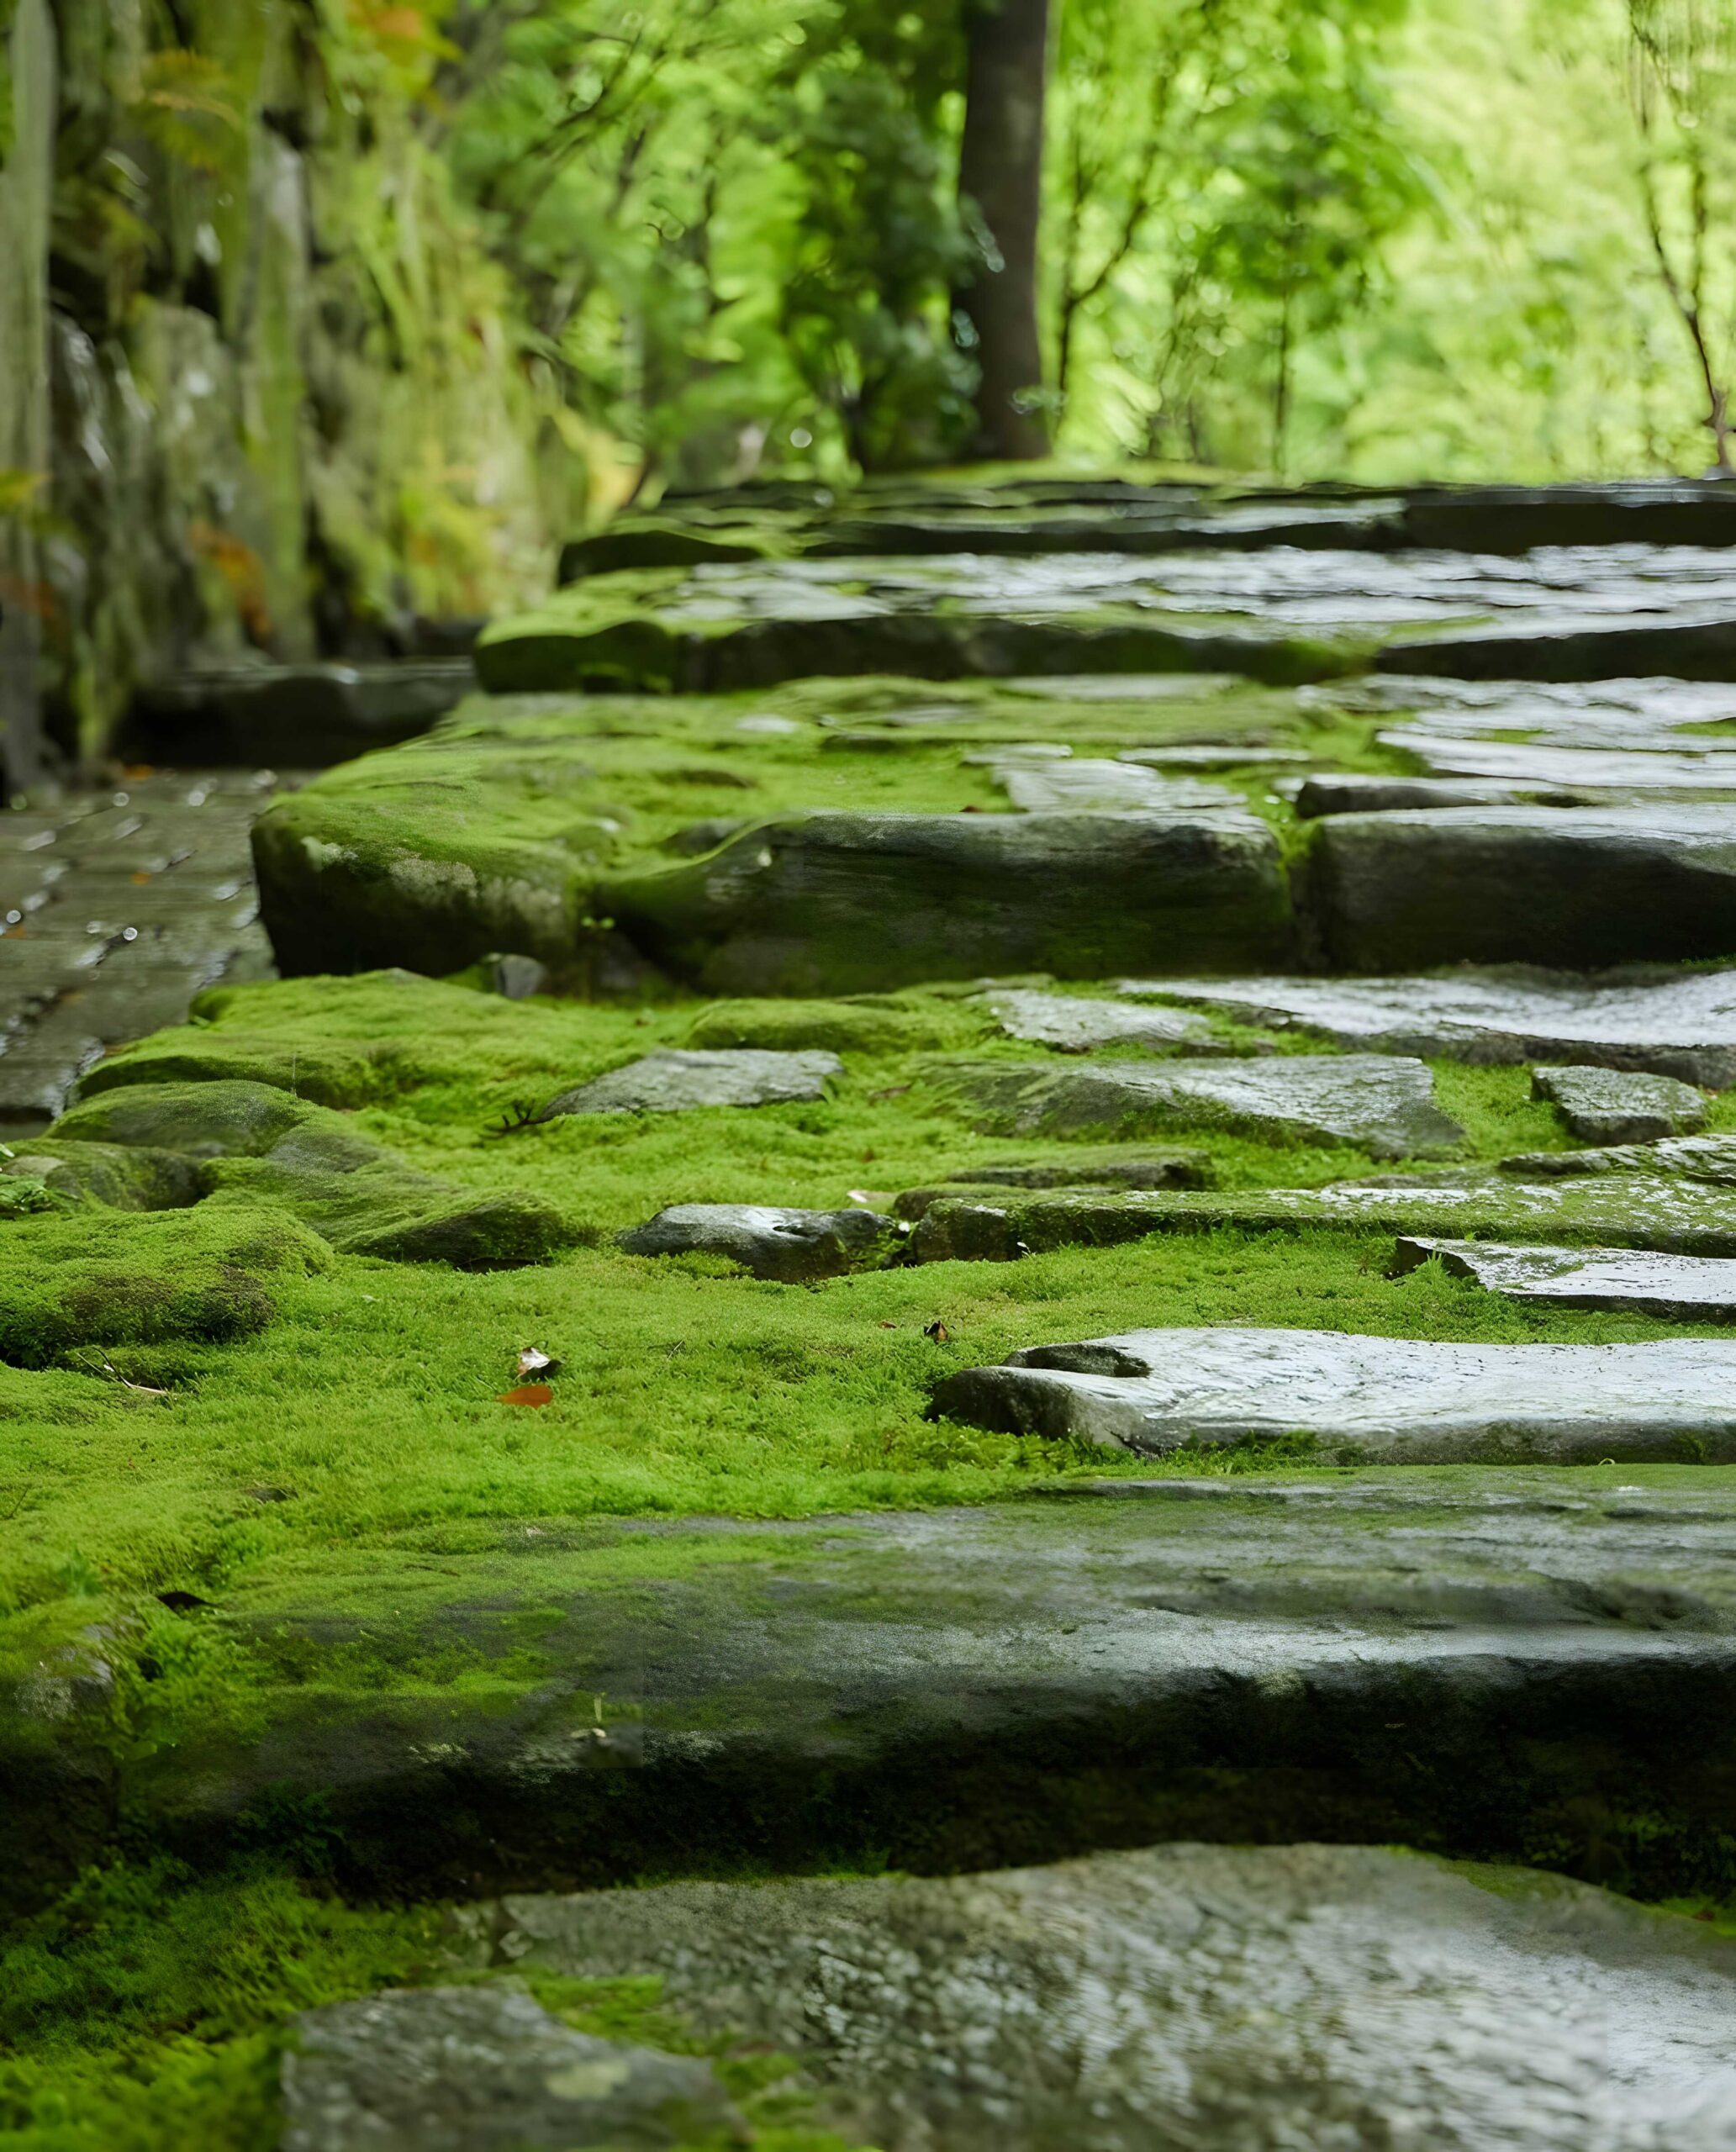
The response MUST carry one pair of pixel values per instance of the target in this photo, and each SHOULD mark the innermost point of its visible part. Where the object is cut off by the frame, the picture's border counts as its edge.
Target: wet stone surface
(116, 909)
(1632, 1209)
(1075, 1024)
(1607, 1106)
(678, 1080)
(1232, 1997)
(790, 1246)
(486, 2070)
(1377, 1400)
(1679, 1024)
(1385, 1104)
(1679, 1287)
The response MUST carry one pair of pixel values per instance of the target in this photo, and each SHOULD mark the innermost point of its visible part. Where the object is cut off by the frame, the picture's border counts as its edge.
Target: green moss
(67, 1284)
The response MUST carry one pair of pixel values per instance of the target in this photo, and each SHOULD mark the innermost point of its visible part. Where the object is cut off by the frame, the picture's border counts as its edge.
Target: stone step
(1249, 1996)
(1624, 1210)
(1678, 1288)
(1679, 1024)
(1352, 1400)
(1469, 1665)
(294, 716)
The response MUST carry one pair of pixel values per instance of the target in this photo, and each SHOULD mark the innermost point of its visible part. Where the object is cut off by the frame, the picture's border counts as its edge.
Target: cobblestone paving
(116, 908)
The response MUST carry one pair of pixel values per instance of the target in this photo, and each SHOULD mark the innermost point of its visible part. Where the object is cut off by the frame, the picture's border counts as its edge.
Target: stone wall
(261, 364)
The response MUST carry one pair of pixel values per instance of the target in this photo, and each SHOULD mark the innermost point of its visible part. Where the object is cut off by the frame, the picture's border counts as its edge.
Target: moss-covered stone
(258, 1145)
(68, 1283)
(834, 902)
(123, 1176)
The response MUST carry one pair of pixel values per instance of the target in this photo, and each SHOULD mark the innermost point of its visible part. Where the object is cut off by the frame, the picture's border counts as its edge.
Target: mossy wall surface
(281, 405)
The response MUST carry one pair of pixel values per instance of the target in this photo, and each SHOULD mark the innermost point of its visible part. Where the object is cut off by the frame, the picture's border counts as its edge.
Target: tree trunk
(1001, 172)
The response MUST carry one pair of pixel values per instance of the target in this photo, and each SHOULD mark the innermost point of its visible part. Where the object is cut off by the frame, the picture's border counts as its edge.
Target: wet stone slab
(1385, 1104)
(1074, 1024)
(849, 902)
(1398, 1657)
(1364, 1400)
(1597, 886)
(1608, 1106)
(790, 1246)
(1279, 613)
(1679, 1288)
(677, 1079)
(1247, 1998)
(486, 2070)
(1670, 1023)
(1052, 785)
(1629, 1209)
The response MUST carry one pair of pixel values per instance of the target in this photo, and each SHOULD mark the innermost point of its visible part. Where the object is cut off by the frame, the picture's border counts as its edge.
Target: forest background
(323, 318)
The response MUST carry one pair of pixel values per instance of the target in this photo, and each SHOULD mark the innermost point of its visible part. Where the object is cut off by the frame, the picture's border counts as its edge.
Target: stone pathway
(116, 908)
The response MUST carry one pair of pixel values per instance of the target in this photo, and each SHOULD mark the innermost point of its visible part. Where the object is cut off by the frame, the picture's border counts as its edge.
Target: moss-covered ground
(303, 1428)
(366, 1409)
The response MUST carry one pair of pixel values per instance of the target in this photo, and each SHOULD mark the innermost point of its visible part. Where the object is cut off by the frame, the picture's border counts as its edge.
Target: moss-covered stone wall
(288, 410)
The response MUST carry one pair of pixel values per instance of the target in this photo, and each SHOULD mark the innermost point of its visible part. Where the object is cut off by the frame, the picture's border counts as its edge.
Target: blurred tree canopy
(1372, 239)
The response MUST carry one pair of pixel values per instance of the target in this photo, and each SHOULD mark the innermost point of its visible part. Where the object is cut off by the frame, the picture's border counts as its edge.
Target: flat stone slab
(485, 2069)
(1681, 1024)
(791, 1246)
(1676, 1215)
(1398, 1658)
(1610, 1105)
(1391, 1400)
(1599, 886)
(1357, 794)
(1075, 1025)
(296, 716)
(1058, 786)
(677, 1079)
(1247, 1997)
(1384, 1104)
(1085, 1164)
(1679, 1287)
(1709, 1159)
(1276, 612)
(846, 902)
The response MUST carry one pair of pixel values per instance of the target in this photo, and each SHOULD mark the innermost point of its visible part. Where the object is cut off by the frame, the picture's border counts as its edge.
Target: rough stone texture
(1356, 794)
(253, 1143)
(1681, 1024)
(1438, 1660)
(1277, 613)
(1085, 1166)
(1679, 1287)
(791, 1246)
(1626, 1208)
(677, 1079)
(1385, 1104)
(1709, 1159)
(1523, 885)
(1606, 1105)
(1244, 1999)
(485, 2069)
(1050, 787)
(1379, 1400)
(838, 903)
(296, 716)
(1075, 1025)
(116, 909)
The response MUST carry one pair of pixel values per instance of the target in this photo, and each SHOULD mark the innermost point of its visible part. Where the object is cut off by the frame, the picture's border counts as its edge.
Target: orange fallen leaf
(530, 1393)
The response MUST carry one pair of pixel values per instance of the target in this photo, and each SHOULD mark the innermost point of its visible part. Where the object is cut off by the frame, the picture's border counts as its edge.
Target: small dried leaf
(530, 1393)
(937, 1331)
(534, 1361)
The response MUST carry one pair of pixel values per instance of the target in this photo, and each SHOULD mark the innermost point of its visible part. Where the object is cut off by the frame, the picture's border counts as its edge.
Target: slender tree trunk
(1001, 172)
